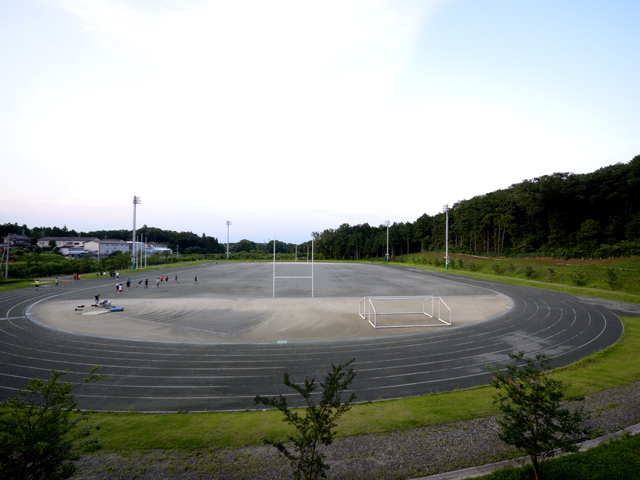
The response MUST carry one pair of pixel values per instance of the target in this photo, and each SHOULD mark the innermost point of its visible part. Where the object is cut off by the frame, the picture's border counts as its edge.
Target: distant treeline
(564, 214)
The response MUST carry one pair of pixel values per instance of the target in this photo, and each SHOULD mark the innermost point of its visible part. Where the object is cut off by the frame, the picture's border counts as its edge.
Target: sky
(289, 117)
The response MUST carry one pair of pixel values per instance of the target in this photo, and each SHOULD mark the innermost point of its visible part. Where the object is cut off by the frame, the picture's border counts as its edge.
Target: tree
(315, 427)
(533, 419)
(244, 245)
(38, 435)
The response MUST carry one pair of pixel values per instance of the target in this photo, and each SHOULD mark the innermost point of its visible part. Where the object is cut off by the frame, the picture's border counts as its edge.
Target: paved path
(163, 377)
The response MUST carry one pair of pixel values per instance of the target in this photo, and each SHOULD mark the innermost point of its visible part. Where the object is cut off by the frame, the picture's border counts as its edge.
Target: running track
(165, 377)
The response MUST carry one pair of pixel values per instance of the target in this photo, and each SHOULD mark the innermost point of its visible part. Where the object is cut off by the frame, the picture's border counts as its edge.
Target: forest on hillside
(563, 214)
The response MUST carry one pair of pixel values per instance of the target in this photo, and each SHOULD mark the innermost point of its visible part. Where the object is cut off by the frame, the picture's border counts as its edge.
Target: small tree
(612, 278)
(37, 432)
(533, 419)
(315, 426)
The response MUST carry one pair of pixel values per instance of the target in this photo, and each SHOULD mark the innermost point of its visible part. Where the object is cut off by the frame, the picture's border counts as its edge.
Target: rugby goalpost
(289, 276)
(439, 312)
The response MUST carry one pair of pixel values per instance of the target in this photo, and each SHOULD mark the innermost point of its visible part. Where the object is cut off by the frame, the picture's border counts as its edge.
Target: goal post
(405, 312)
(275, 277)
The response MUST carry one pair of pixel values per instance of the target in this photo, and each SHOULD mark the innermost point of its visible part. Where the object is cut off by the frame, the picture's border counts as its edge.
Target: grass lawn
(617, 459)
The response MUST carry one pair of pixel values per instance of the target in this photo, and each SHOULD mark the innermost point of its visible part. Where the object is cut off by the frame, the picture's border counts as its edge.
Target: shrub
(612, 278)
(533, 419)
(316, 426)
(551, 273)
(529, 272)
(37, 433)
(578, 278)
(497, 268)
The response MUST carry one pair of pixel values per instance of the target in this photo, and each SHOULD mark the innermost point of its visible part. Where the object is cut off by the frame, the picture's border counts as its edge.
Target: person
(37, 284)
(128, 284)
(117, 275)
(75, 276)
(139, 283)
(146, 283)
(57, 285)
(120, 289)
(196, 280)
(158, 282)
(166, 279)
(79, 276)
(161, 278)
(117, 286)
(97, 299)
(176, 281)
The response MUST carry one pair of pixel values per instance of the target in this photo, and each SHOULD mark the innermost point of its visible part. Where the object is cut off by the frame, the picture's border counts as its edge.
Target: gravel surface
(398, 455)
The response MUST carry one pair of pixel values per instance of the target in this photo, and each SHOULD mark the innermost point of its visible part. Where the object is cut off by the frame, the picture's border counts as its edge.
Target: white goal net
(398, 312)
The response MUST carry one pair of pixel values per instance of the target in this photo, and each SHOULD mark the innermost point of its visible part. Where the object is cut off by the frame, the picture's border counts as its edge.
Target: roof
(67, 239)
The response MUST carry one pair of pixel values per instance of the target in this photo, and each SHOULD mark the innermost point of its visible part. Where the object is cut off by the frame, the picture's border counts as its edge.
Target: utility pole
(446, 241)
(136, 201)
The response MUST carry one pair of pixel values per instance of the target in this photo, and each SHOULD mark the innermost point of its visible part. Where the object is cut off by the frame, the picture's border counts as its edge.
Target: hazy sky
(288, 117)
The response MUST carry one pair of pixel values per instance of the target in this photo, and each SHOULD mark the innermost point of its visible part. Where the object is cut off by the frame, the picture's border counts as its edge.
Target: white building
(107, 247)
(65, 242)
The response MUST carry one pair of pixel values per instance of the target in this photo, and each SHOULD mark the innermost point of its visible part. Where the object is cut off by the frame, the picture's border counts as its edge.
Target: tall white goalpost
(289, 276)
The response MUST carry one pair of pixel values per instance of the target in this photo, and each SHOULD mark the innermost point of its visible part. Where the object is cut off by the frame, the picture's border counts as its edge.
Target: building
(157, 247)
(15, 240)
(106, 247)
(65, 242)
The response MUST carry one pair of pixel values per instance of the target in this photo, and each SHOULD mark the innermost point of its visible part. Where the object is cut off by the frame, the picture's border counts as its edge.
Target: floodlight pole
(387, 222)
(136, 201)
(6, 267)
(228, 225)
(446, 241)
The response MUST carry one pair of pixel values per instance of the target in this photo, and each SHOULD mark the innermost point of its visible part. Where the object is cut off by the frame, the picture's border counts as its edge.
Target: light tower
(228, 225)
(387, 223)
(136, 201)
(446, 240)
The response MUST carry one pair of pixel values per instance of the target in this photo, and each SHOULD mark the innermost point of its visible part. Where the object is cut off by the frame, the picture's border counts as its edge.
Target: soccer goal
(404, 312)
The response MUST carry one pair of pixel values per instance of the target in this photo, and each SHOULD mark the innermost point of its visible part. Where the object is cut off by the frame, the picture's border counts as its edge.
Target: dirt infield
(233, 303)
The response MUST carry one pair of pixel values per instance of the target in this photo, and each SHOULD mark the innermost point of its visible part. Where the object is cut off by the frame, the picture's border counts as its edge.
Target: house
(65, 242)
(99, 247)
(15, 240)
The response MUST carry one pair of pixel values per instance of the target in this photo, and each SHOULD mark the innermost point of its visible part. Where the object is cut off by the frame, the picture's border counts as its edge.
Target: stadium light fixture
(387, 223)
(446, 241)
(136, 201)
(228, 225)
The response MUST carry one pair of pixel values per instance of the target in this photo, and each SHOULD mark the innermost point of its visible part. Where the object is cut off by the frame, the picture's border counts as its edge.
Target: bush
(37, 434)
(533, 419)
(578, 278)
(551, 273)
(529, 272)
(315, 427)
(497, 268)
(612, 278)
(473, 267)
